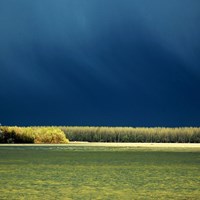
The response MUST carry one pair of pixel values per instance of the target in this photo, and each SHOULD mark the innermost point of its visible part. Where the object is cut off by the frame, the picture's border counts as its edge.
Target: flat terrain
(118, 144)
(100, 171)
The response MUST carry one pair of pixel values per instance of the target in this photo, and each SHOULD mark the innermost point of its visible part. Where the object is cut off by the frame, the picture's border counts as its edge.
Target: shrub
(32, 135)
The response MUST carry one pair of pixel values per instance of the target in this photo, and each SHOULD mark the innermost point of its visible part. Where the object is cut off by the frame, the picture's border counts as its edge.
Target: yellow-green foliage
(98, 134)
(50, 135)
(130, 134)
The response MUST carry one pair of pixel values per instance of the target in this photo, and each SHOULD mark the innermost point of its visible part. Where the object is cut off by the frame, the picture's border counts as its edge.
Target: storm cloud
(113, 63)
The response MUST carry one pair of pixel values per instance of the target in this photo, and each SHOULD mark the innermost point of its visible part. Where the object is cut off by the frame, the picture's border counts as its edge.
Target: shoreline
(104, 144)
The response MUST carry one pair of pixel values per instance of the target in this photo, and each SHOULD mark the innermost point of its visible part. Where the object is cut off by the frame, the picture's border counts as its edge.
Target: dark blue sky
(100, 62)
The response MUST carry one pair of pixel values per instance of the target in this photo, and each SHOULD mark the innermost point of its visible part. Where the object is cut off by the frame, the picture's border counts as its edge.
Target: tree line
(64, 134)
(131, 134)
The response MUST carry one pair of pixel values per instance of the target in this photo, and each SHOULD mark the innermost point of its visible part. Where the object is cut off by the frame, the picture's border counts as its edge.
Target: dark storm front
(113, 63)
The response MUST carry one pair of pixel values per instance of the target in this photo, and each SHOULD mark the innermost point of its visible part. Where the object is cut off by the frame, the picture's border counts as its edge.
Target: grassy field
(84, 171)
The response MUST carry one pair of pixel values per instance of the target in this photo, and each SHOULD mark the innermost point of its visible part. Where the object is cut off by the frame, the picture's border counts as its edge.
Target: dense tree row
(129, 134)
(36, 135)
(98, 134)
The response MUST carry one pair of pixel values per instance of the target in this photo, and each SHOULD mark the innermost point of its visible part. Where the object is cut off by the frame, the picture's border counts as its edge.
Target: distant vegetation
(38, 135)
(130, 134)
(62, 134)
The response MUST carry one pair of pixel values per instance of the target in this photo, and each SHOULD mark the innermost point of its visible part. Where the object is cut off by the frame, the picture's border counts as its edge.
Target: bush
(37, 135)
(50, 135)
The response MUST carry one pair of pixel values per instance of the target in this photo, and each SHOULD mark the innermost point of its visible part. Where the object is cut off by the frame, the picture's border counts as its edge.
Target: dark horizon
(100, 63)
(124, 126)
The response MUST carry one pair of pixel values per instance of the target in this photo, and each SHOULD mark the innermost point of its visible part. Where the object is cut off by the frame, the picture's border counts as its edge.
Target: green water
(98, 173)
